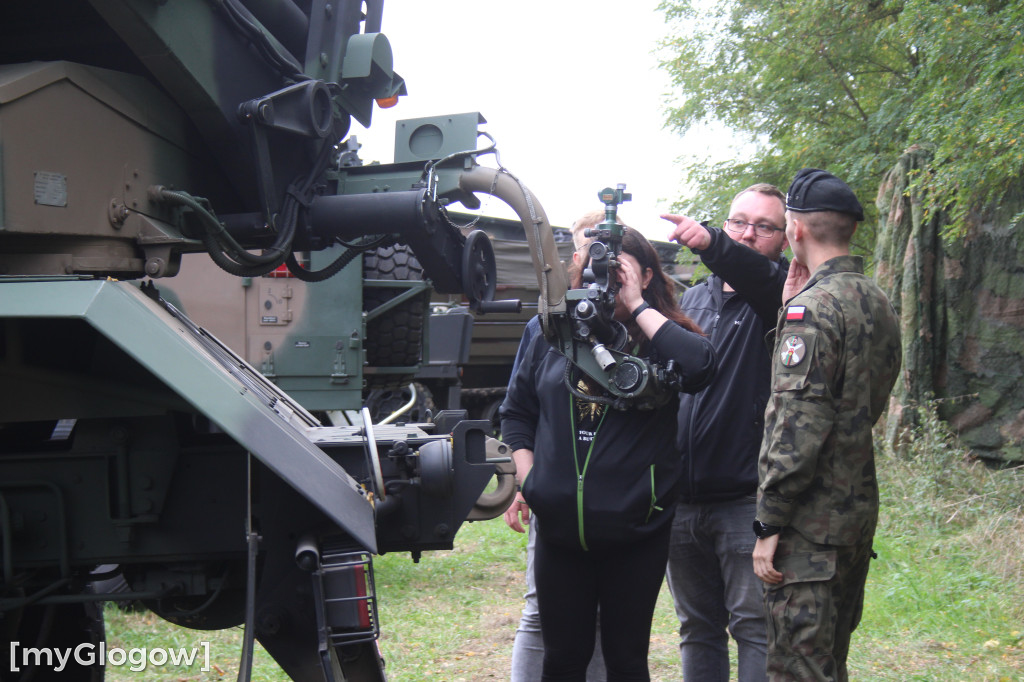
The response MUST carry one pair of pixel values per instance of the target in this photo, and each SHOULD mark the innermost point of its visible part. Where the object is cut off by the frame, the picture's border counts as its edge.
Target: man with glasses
(709, 569)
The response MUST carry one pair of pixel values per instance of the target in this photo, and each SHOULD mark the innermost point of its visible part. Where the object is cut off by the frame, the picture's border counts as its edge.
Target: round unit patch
(793, 351)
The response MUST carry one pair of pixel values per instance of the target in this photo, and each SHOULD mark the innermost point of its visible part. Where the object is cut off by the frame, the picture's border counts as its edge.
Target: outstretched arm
(754, 276)
(688, 232)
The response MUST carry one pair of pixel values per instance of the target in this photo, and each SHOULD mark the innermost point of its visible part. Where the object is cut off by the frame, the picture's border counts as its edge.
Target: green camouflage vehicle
(430, 352)
(204, 472)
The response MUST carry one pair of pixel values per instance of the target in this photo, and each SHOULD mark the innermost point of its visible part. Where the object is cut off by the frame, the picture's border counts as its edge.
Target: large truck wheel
(484, 403)
(491, 414)
(57, 627)
(383, 402)
(395, 339)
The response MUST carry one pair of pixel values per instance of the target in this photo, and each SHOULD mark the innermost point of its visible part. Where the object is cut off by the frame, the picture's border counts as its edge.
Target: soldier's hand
(764, 556)
(795, 280)
(688, 232)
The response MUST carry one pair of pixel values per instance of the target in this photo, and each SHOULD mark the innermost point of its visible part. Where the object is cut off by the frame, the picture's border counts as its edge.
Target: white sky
(570, 90)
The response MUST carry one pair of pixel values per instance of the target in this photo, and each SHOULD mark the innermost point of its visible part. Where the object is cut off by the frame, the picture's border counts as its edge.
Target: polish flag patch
(795, 312)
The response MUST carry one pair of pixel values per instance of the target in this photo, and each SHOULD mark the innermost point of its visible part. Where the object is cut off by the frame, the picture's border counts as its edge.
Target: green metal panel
(214, 380)
(435, 137)
(318, 361)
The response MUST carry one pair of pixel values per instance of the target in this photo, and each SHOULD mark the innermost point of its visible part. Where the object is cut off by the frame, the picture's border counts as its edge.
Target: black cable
(350, 254)
(222, 247)
(243, 21)
(227, 253)
(493, 149)
(567, 377)
(233, 258)
(331, 270)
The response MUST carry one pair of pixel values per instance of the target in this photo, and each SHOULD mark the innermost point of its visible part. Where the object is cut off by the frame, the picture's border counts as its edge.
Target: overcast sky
(570, 90)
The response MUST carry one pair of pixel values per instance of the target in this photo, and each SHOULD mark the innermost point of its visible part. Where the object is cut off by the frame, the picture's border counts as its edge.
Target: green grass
(945, 599)
(138, 629)
(944, 603)
(454, 616)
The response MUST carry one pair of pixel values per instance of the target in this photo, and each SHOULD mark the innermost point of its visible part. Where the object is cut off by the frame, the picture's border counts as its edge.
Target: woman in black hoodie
(603, 481)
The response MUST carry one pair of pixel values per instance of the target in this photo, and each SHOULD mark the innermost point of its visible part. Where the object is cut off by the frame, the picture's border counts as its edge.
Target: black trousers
(624, 581)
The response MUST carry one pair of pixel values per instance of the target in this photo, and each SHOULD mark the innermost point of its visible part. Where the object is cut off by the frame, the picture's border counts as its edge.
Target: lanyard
(586, 463)
(575, 439)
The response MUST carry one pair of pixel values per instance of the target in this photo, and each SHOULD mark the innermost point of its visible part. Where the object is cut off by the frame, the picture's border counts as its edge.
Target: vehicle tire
(383, 402)
(490, 413)
(394, 339)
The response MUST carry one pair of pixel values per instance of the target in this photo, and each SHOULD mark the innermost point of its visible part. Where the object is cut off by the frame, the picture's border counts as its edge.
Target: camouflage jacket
(837, 354)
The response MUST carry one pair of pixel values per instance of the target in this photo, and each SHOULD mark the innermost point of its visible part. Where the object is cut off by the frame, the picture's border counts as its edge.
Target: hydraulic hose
(551, 276)
(223, 249)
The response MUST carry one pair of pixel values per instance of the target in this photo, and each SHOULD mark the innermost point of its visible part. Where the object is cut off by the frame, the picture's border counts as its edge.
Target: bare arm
(518, 513)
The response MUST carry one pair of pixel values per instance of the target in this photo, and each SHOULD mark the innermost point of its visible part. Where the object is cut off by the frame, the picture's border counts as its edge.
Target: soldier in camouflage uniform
(837, 354)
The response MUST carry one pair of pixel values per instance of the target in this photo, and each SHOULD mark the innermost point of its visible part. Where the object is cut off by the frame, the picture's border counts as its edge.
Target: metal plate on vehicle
(50, 189)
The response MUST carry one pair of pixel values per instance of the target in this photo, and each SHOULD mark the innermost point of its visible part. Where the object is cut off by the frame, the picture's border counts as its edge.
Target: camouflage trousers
(814, 610)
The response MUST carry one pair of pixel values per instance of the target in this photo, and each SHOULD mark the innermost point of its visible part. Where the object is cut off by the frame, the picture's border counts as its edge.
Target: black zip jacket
(625, 488)
(720, 428)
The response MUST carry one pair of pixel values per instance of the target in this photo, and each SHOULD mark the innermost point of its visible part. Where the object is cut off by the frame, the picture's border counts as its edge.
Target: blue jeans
(528, 649)
(711, 576)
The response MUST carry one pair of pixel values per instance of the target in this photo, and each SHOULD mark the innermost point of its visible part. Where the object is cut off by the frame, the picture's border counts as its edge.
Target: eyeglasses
(762, 230)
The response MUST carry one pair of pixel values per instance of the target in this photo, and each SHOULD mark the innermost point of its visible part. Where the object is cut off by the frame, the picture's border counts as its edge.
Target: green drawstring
(654, 499)
(586, 463)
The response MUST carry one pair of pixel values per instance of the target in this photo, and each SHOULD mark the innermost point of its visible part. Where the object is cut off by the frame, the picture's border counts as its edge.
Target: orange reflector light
(387, 102)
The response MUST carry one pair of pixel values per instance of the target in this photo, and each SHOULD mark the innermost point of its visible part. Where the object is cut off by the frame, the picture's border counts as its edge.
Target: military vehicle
(431, 352)
(132, 133)
(466, 357)
(135, 132)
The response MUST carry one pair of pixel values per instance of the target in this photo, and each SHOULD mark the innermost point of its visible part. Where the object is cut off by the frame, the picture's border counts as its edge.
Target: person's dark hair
(660, 293)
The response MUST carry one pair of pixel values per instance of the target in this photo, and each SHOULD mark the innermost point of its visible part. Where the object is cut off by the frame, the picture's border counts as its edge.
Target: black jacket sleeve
(519, 411)
(756, 278)
(694, 355)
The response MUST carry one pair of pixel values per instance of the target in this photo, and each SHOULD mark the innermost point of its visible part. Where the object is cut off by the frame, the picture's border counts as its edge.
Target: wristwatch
(763, 530)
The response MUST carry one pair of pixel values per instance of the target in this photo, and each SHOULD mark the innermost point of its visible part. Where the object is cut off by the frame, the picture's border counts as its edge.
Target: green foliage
(848, 86)
(947, 590)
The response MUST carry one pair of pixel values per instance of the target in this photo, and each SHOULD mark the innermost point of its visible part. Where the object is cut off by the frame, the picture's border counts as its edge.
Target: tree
(848, 86)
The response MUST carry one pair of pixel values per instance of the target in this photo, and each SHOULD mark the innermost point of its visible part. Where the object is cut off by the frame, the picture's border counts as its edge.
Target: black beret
(817, 190)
